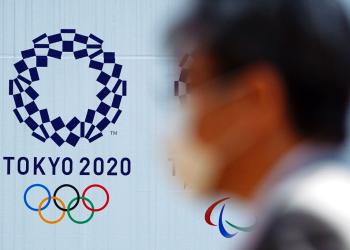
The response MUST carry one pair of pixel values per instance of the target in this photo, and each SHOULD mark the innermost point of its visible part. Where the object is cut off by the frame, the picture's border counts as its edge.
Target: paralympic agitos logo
(221, 225)
(37, 118)
(69, 207)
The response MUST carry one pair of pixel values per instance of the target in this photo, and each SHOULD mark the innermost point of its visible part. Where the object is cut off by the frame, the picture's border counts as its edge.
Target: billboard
(87, 89)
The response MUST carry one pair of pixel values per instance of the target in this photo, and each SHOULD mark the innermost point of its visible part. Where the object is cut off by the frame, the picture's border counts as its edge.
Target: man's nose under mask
(202, 165)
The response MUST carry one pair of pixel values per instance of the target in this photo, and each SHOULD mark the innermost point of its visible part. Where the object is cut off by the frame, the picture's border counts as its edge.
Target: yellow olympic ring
(47, 221)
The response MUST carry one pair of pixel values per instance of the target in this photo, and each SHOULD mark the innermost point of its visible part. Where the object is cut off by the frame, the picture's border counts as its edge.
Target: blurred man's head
(267, 75)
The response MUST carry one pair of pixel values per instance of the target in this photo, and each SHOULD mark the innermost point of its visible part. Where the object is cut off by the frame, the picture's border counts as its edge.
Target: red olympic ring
(105, 205)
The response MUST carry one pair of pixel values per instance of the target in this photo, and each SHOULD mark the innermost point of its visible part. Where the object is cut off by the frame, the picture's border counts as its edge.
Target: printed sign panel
(87, 93)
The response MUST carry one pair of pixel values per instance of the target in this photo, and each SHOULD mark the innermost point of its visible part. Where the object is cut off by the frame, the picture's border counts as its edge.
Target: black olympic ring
(76, 203)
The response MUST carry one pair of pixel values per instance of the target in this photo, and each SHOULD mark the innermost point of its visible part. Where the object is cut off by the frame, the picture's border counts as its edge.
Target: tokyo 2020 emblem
(38, 118)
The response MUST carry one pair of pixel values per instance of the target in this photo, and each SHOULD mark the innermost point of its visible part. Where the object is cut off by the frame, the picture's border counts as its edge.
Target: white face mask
(201, 165)
(195, 163)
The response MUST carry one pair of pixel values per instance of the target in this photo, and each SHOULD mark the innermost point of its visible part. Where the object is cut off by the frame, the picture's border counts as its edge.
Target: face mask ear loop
(225, 136)
(209, 171)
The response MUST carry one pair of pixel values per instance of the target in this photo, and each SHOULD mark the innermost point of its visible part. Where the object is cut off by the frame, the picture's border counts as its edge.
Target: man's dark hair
(308, 41)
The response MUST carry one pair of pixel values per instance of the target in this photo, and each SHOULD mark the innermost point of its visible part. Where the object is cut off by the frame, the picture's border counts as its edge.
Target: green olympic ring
(76, 221)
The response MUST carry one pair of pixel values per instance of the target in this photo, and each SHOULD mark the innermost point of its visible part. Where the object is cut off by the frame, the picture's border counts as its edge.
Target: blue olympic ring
(36, 185)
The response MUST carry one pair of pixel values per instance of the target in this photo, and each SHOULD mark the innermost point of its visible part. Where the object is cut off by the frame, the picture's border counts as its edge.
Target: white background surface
(147, 209)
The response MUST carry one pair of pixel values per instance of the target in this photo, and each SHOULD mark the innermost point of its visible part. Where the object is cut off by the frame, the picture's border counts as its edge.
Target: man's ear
(260, 96)
(255, 101)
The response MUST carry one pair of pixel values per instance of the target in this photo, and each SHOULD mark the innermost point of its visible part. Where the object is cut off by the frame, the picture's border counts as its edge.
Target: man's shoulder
(323, 189)
(315, 213)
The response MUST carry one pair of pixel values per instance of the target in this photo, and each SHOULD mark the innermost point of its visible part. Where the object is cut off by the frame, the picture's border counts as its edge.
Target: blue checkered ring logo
(38, 120)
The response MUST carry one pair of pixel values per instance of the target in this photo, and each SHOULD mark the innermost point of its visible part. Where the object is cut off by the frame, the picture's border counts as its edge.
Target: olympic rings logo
(69, 207)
